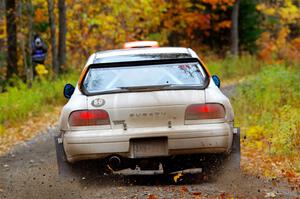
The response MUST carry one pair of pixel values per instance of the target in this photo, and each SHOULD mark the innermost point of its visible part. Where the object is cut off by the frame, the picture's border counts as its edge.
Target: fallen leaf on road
(151, 196)
(222, 195)
(196, 193)
(184, 189)
(121, 189)
(177, 177)
(262, 164)
(270, 195)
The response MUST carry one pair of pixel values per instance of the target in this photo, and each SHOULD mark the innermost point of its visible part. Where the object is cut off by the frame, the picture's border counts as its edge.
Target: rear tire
(65, 168)
(234, 158)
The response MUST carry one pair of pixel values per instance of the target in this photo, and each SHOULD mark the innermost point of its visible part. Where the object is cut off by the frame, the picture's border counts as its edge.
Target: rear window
(147, 77)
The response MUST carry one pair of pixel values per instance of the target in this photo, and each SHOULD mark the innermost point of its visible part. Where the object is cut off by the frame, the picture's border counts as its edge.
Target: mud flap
(235, 155)
(65, 169)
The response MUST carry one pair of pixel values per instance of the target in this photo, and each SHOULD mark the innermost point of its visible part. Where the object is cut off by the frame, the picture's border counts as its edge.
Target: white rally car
(146, 106)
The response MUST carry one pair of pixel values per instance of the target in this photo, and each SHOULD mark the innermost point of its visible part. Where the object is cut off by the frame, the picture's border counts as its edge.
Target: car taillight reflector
(89, 118)
(204, 111)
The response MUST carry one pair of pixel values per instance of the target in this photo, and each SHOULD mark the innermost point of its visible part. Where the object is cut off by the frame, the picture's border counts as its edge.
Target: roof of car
(141, 54)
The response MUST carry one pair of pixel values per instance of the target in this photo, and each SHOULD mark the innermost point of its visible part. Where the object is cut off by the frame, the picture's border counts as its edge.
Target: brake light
(204, 112)
(89, 118)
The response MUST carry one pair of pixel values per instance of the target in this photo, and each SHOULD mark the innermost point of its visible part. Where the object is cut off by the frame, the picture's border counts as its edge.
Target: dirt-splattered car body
(146, 103)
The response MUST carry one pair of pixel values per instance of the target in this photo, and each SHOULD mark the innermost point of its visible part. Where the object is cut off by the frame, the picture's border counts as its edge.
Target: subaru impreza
(145, 107)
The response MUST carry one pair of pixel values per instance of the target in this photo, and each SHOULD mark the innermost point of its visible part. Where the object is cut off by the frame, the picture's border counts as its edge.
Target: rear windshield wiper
(147, 87)
(161, 86)
(183, 86)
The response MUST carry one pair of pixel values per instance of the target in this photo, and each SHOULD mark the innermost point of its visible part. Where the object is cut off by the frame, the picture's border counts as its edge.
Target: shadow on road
(89, 173)
(144, 180)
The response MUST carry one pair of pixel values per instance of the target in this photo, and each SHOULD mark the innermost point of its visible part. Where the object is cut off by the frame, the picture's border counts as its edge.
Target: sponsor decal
(98, 102)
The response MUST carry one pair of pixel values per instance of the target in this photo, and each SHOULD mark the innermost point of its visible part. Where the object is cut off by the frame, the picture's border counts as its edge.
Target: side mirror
(216, 80)
(68, 90)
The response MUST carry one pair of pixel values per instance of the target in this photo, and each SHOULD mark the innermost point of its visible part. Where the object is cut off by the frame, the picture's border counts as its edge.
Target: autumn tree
(112, 23)
(11, 27)
(249, 25)
(198, 23)
(235, 29)
(281, 37)
(62, 33)
(53, 37)
(24, 12)
(29, 70)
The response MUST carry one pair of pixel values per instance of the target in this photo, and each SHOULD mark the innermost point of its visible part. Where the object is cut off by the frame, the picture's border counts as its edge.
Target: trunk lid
(146, 109)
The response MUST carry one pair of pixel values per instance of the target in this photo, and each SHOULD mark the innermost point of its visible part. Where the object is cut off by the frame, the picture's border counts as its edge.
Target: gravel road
(29, 171)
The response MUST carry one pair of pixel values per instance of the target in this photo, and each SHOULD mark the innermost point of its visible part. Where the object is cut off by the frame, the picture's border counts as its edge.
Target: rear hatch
(147, 109)
(145, 93)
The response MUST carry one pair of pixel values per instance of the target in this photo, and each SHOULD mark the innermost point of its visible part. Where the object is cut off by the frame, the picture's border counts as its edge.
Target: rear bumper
(188, 139)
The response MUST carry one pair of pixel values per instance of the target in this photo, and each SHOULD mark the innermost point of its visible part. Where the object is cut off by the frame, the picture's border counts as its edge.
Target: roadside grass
(2, 68)
(20, 103)
(267, 109)
(231, 69)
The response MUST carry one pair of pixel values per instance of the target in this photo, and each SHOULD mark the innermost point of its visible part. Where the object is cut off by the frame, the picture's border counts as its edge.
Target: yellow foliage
(2, 129)
(2, 29)
(255, 132)
(289, 13)
(259, 145)
(269, 11)
(282, 36)
(261, 6)
(41, 70)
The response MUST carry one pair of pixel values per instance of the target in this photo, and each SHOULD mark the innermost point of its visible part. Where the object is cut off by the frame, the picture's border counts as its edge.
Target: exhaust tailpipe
(114, 162)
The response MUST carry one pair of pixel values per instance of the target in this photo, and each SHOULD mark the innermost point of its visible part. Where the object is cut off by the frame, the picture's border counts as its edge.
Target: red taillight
(204, 112)
(89, 118)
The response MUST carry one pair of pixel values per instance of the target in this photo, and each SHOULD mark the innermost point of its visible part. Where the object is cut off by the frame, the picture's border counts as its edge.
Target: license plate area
(149, 147)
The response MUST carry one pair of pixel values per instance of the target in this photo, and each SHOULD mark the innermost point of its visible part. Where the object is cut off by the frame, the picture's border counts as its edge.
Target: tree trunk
(62, 33)
(11, 27)
(235, 29)
(53, 37)
(22, 38)
(29, 72)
